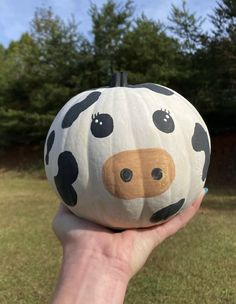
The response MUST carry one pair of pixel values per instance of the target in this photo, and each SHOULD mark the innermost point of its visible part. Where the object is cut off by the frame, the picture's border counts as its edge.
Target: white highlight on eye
(96, 120)
(167, 116)
(100, 123)
(165, 119)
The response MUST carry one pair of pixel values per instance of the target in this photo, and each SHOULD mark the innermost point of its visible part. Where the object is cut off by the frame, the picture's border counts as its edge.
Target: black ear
(200, 143)
(74, 112)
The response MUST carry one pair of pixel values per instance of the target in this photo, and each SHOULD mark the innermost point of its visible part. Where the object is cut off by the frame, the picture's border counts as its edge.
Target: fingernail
(206, 190)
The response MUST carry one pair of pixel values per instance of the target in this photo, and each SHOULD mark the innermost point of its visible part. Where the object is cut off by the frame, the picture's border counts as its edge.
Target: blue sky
(15, 15)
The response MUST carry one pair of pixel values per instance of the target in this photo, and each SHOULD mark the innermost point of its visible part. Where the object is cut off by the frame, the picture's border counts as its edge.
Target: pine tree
(222, 51)
(187, 27)
(109, 25)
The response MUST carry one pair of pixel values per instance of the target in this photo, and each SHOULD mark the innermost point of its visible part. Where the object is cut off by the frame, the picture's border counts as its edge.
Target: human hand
(125, 250)
(98, 262)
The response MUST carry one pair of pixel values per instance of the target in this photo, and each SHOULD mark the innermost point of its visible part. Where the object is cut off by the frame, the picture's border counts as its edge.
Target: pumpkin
(127, 156)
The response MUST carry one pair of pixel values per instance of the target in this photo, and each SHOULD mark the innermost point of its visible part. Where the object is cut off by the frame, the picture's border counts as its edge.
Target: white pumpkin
(127, 156)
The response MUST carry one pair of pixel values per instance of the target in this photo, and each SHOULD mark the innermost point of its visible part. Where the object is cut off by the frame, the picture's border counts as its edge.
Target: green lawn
(198, 265)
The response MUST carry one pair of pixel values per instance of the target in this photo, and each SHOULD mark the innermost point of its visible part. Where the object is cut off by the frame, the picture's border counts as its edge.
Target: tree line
(54, 61)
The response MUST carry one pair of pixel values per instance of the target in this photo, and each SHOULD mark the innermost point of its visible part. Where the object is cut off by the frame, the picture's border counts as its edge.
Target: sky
(15, 15)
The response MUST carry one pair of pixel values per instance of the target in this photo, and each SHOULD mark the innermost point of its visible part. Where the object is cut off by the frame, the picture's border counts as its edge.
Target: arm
(89, 278)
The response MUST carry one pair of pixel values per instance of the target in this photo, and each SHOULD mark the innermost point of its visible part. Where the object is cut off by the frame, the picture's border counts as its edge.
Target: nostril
(157, 174)
(126, 175)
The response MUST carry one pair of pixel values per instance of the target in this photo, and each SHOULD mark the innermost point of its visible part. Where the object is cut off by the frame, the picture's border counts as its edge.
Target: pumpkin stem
(119, 79)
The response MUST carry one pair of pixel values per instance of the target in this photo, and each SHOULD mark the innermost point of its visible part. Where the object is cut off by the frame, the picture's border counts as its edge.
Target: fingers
(179, 221)
(158, 234)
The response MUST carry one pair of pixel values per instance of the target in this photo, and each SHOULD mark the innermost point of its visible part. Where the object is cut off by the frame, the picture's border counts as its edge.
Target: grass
(197, 265)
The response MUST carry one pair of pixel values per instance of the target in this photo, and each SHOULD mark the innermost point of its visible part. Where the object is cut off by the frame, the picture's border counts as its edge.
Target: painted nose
(138, 173)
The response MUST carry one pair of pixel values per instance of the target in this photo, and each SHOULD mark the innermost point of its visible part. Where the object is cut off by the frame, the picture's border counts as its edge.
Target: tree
(192, 80)
(187, 28)
(147, 52)
(14, 70)
(222, 51)
(109, 26)
(58, 60)
(224, 20)
(2, 78)
(38, 75)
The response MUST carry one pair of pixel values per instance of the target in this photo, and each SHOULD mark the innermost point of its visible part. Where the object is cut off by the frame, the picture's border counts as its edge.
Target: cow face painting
(128, 155)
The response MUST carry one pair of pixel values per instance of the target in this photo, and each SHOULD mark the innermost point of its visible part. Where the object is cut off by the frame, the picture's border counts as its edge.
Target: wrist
(75, 255)
(89, 276)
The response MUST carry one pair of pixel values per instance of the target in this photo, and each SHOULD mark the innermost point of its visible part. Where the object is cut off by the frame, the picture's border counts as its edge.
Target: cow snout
(138, 173)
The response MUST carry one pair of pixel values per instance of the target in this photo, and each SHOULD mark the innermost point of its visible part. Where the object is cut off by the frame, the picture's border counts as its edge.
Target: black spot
(163, 121)
(126, 175)
(67, 174)
(166, 212)
(50, 142)
(74, 112)
(101, 125)
(153, 87)
(200, 143)
(157, 174)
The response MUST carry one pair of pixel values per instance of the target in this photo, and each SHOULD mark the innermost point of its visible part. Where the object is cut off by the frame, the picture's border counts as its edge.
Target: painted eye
(157, 174)
(101, 125)
(163, 121)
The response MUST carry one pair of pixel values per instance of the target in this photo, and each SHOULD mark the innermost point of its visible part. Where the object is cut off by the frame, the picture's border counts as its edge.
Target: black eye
(163, 121)
(101, 125)
(157, 174)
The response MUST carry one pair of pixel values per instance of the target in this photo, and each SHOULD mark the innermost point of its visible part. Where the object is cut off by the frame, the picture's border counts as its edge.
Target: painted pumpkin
(127, 155)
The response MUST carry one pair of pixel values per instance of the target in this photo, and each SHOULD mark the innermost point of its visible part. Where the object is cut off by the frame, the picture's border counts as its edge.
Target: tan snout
(138, 173)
